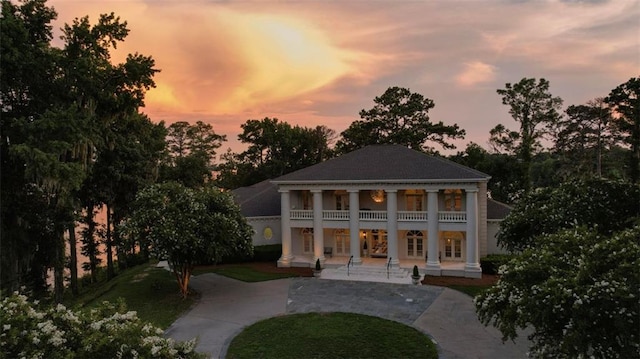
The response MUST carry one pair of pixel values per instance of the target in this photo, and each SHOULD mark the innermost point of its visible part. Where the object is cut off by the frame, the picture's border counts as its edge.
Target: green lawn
(243, 273)
(471, 290)
(152, 292)
(330, 335)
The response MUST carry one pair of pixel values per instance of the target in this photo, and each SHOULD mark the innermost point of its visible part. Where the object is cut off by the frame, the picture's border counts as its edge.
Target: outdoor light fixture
(377, 195)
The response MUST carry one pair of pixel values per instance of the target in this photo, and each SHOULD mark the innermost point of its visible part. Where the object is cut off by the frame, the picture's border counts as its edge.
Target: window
(307, 240)
(452, 246)
(342, 200)
(343, 242)
(415, 198)
(415, 244)
(307, 200)
(452, 200)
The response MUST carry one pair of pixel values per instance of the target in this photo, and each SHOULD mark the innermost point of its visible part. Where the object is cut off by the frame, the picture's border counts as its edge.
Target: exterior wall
(493, 227)
(259, 224)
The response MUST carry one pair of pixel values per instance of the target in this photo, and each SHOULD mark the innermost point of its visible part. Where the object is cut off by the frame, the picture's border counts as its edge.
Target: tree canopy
(401, 117)
(188, 226)
(536, 110)
(625, 102)
(603, 205)
(274, 148)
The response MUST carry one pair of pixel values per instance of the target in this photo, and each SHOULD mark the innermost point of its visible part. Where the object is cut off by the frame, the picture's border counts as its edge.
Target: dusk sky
(321, 62)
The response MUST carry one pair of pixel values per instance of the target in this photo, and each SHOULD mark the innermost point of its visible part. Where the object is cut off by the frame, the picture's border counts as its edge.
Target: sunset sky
(321, 62)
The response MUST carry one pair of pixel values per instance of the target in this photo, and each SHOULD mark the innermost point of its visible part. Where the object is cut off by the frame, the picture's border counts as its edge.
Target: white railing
(412, 216)
(301, 214)
(336, 215)
(452, 217)
(373, 215)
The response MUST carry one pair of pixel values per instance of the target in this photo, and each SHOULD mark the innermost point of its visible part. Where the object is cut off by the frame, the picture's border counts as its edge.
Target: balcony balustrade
(412, 216)
(335, 215)
(452, 217)
(403, 216)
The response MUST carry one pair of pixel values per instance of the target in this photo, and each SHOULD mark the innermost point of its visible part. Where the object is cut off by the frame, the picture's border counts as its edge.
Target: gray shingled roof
(383, 162)
(258, 200)
(497, 210)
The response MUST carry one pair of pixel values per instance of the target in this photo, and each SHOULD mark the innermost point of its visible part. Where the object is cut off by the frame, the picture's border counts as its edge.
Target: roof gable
(384, 162)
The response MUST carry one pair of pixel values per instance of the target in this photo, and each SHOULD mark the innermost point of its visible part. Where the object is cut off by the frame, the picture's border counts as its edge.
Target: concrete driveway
(448, 316)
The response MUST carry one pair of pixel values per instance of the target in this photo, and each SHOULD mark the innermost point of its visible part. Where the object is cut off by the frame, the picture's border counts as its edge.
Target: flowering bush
(578, 292)
(106, 332)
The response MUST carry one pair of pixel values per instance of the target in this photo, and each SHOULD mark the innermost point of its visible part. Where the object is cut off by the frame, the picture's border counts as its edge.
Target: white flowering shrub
(602, 205)
(106, 332)
(577, 290)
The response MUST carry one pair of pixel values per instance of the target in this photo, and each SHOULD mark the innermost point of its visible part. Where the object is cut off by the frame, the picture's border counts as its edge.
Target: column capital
(472, 190)
(315, 190)
(431, 190)
(390, 190)
(353, 191)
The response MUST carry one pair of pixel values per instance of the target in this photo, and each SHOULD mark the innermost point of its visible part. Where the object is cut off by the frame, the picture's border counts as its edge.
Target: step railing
(388, 265)
(349, 264)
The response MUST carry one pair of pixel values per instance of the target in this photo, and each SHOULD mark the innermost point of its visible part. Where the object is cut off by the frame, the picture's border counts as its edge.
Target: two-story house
(384, 204)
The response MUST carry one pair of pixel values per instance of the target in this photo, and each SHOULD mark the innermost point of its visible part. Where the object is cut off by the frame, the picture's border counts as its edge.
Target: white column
(354, 225)
(472, 267)
(285, 216)
(433, 252)
(392, 227)
(318, 230)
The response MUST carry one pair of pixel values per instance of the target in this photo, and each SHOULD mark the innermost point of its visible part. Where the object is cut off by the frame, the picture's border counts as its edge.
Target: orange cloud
(474, 73)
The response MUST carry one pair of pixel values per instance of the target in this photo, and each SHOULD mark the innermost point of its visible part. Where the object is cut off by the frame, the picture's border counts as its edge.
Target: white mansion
(384, 204)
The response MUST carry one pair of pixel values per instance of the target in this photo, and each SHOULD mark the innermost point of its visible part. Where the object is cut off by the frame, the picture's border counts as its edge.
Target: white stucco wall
(492, 242)
(259, 224)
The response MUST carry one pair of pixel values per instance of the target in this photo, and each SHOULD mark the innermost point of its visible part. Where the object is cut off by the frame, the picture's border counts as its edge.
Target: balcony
(381, 216)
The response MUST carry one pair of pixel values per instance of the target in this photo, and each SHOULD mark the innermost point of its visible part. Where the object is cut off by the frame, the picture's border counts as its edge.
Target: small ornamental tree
(189, 226)
(577, 290)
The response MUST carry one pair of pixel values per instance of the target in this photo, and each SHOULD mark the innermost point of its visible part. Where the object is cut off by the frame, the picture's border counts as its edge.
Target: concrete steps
(368, 273)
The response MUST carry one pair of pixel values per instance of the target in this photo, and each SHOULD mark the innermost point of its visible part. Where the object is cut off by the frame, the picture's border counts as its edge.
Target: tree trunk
(73, 259)
(90, 243)
(108, 246)
(58, 268)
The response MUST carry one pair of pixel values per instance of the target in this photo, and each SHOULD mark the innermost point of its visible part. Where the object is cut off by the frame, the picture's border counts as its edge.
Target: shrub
(267, 253)
(108, 331)
(491, 263)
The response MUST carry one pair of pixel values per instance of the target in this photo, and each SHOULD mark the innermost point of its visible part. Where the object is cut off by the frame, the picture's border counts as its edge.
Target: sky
(318, 62)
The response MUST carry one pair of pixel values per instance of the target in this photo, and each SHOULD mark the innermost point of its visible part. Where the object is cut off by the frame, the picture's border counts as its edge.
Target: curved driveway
(447, 316)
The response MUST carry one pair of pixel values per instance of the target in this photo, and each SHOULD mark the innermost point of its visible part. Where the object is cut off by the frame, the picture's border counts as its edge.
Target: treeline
(74, 142)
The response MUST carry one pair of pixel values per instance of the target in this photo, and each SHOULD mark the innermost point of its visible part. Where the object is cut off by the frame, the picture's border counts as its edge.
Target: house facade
(380, 205)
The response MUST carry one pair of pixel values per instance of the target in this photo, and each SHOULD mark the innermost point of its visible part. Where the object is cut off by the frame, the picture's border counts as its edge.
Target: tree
(275, 148)
(399, 116)
(505, 183)
(191, 151)
(536, 110)
(189, 226)
(583, 137)
(625, 102)
(604, 206)
(577, 290)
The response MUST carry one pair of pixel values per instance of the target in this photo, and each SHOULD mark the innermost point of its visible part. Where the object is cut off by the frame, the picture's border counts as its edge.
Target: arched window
(415, 244)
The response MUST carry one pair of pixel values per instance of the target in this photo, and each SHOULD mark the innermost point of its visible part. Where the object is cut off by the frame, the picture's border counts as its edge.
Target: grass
(330, 335)
(471, 290)
(243, 273)
(150, 291)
